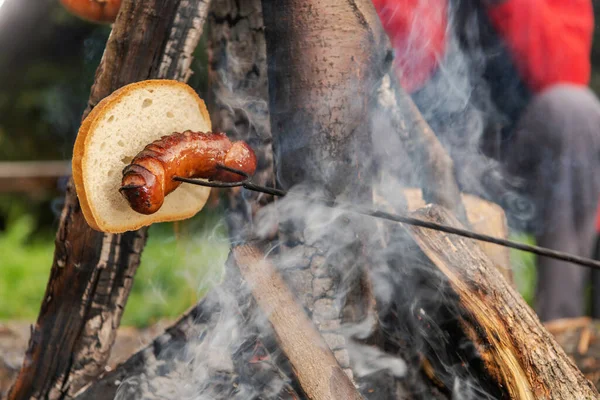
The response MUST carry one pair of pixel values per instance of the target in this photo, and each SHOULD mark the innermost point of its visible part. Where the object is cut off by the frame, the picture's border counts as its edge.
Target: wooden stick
(518, 352)
(314, 364)
(92, 273)
(420, 143)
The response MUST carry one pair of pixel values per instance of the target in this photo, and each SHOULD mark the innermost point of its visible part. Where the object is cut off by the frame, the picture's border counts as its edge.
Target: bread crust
(82, 142)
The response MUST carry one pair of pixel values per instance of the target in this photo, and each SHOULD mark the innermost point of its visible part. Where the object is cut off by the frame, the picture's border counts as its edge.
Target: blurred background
(47, 63)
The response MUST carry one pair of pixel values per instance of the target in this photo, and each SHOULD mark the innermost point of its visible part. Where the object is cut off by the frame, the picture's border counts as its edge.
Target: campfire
(318, 301)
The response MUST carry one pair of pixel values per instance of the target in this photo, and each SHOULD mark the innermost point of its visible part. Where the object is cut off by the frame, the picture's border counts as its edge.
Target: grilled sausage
(149, 177)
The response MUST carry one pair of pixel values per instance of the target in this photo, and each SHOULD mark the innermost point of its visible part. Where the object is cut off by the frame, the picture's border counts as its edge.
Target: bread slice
(116, 130)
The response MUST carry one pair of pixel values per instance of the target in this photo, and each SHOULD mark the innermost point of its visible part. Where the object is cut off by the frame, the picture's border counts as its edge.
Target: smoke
(468, 112)
(459, 104)
(321, 252)
(216, 355)
(198, 369)
(369, 360)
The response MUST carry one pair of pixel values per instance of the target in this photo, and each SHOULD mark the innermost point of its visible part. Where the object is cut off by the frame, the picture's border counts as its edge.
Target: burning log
(422, 147)
(320, 85)
(518, 353)
(92, 272)
(313, 362)
(484, 217)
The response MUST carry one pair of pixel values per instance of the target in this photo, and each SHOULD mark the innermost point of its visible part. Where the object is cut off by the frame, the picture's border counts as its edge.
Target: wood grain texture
(324, 61)
(92, 272)
(519, 354)
(484, 217)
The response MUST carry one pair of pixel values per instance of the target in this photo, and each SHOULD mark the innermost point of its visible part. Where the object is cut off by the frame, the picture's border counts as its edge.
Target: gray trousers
(556, 151)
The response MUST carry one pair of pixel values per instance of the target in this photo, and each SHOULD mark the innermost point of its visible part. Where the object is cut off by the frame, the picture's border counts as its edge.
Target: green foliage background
(178, 265)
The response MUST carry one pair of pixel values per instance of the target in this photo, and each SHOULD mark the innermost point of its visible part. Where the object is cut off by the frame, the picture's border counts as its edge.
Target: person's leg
(595, 282)
(556, 150)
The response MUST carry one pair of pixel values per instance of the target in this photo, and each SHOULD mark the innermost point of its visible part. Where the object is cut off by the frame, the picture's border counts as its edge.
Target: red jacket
(550, 40)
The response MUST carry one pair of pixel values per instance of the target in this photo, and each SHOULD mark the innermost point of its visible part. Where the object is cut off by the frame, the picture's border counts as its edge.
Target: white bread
(116, 130)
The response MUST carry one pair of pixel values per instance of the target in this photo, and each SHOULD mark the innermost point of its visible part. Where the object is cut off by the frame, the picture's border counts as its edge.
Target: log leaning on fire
(421, 145)
(321, 137)
(518, 352)
(92, 272)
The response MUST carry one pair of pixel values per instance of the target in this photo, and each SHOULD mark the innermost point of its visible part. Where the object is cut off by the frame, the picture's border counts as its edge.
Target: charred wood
(312, 360)
(93, 272)
(324, 60)
(191, 358)
(519, 357)
(238, 98)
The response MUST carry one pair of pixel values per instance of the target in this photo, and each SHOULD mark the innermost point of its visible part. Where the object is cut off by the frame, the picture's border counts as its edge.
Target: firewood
(484, 217)
(436, 173)
(313, 362)
(92, 273)
(519, 354)
(238, 99)
(320, 86)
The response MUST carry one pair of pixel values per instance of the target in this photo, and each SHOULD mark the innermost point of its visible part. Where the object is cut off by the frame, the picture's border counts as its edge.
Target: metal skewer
(541, 251)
